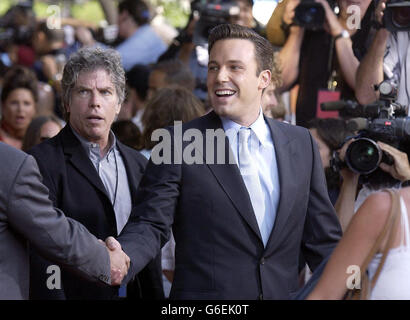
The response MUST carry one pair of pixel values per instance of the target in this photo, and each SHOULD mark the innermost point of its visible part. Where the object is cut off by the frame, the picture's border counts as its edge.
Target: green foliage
(176, 12)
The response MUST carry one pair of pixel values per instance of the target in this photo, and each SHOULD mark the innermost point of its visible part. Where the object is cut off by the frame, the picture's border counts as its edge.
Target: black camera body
(311, 15)
(212, 13)
(383, 120)
(397, 15)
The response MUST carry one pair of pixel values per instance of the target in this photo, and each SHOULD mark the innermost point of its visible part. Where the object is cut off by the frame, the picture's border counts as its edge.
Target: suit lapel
(79, 159)
(230, 179)
(286, 172)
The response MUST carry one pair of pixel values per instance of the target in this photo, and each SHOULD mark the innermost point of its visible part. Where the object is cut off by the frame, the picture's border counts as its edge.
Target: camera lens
(310, 15)
(363, 156)
(401, 17)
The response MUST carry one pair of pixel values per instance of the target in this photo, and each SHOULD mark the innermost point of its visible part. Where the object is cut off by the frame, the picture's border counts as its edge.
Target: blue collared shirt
(264, 156)
(143, 47)
(113, 175)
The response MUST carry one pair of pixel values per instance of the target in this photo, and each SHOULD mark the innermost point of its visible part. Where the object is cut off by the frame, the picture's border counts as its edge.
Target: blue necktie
(250, 176)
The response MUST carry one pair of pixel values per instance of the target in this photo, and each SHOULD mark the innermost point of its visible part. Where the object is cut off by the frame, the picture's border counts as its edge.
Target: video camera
(311, 15)
(383, 120)
(212, 13)
(397, 15)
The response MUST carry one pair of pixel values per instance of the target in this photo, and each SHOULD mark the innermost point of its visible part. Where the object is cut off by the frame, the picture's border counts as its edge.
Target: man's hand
(119, 261)
(379, 12)
(400, 170)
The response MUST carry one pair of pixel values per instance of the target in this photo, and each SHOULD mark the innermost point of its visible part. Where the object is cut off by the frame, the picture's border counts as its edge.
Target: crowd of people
(97, 142)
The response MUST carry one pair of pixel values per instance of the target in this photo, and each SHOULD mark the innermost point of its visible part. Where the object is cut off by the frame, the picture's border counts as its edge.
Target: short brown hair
(169, 104)
(176, 72)
(19, 77)
(263, 49)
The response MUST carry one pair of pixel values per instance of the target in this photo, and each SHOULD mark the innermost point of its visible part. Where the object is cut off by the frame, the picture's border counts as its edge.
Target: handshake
(119, 261)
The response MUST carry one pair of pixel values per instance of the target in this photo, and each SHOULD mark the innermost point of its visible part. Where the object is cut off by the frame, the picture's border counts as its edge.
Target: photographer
(388, 56)
(372, 240)
(330, 55)
(386, 176)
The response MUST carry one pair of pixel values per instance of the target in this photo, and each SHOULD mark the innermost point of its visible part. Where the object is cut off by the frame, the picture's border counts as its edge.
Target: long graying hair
(88, 60)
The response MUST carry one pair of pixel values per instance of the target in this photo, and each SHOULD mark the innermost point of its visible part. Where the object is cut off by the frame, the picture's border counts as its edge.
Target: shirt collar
(93, 147)
(259, 127)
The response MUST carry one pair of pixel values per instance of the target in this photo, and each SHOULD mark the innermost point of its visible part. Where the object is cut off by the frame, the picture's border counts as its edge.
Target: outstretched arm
(55, 236)
(353, 248)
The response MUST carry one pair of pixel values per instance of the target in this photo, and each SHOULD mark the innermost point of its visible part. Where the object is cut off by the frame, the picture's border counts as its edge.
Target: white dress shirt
(263, 153)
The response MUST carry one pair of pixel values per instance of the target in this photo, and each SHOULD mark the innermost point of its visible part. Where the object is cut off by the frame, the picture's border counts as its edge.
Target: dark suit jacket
(219, 250)
(27, 214)
(76, 188)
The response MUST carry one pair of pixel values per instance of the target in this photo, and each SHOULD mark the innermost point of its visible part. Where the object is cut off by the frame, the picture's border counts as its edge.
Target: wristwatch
(343, 34)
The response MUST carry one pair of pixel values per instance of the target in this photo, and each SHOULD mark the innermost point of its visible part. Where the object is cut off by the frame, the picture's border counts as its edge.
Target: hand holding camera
(332, 24)
(400, 169)
(289, 13)
(394, 15)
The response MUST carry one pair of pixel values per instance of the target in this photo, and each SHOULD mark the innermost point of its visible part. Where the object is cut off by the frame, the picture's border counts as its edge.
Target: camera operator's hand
(289, 13)
(333, 25)
(380, 11)
(400, 170)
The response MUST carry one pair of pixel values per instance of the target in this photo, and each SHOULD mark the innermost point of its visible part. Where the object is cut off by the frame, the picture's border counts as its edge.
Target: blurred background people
(168, 104)
(321, 73)
(169, 72)
(127, 132)
(18, 105)
(272, 102)
(137, 92)
(141, 44)
(40, 129)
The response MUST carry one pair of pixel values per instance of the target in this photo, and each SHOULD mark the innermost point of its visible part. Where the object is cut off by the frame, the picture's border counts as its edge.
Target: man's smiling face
(234, 88)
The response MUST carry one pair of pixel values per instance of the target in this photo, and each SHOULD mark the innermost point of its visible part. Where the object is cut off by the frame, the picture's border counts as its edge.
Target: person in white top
(356, 244)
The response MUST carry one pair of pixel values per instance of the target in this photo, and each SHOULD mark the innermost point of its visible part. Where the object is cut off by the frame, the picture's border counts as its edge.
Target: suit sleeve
(60, 239)
(322, 230)
(148, 227)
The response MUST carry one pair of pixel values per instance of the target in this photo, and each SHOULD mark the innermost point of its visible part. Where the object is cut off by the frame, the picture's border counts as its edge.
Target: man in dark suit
(240, 226)
(93, 177)
(27, 215)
